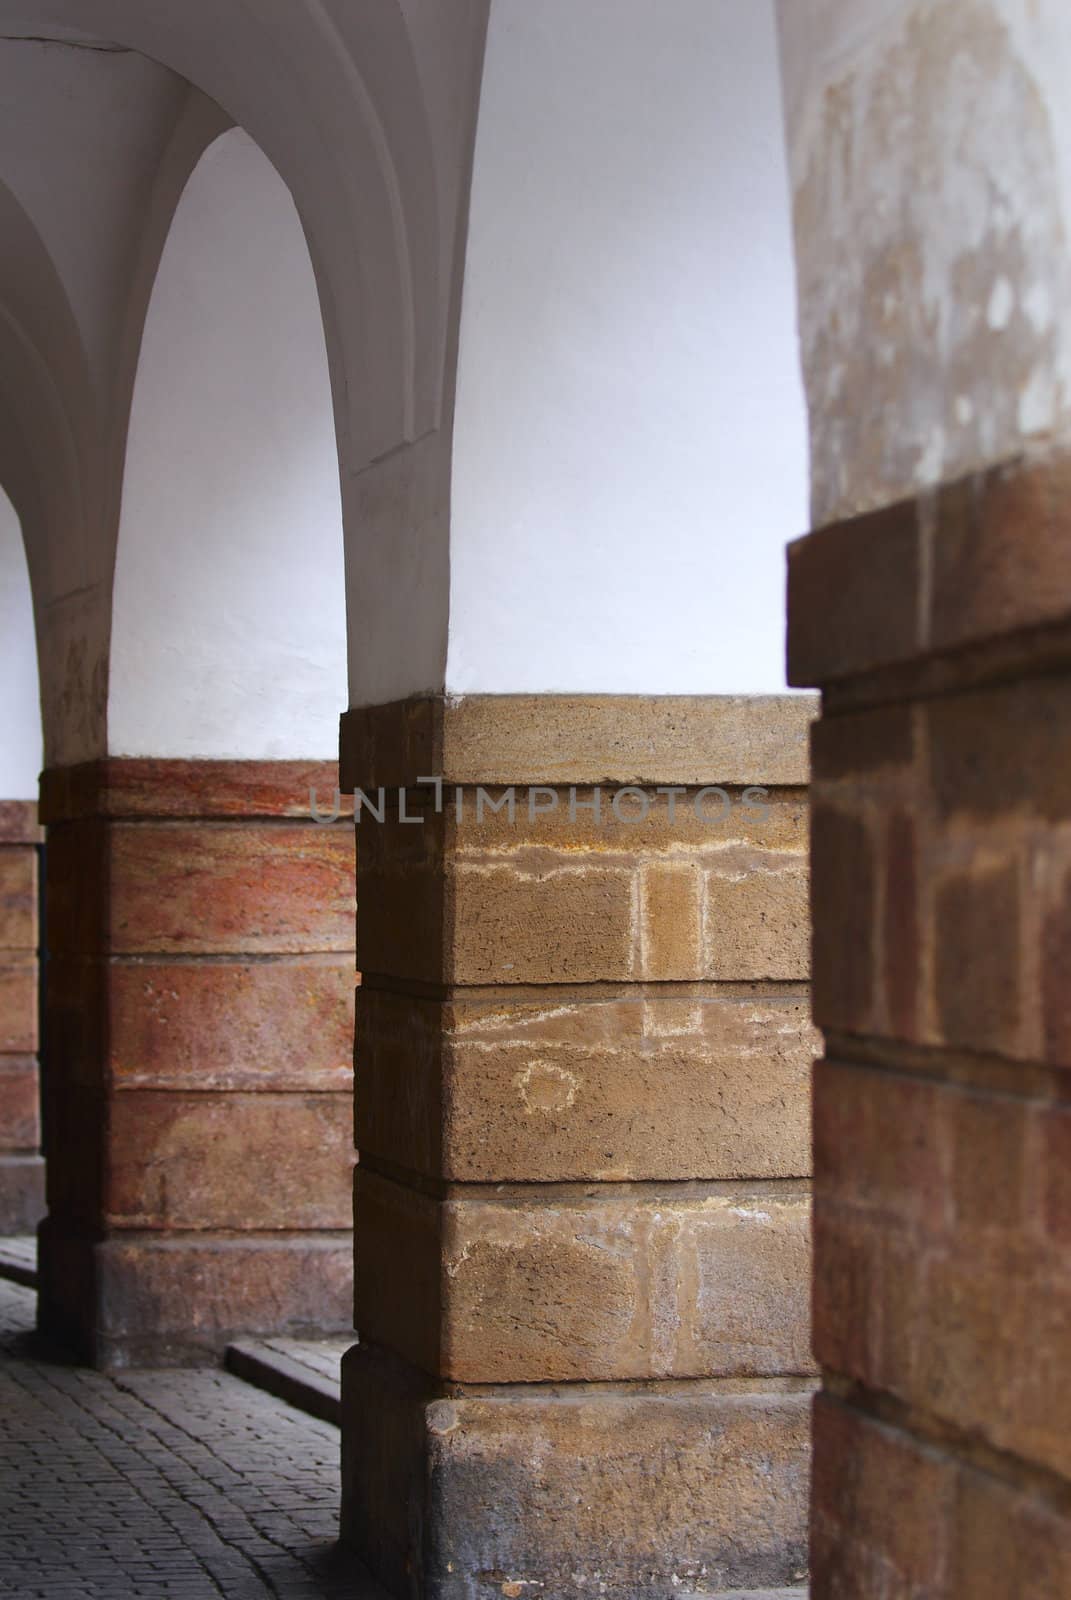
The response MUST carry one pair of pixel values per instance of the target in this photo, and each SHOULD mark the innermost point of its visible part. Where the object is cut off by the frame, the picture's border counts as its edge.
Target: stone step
(18, 1260)
(304, 1373)
(746, 1594)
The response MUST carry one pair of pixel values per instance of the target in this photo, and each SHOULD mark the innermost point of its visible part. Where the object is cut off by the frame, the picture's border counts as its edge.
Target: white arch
(228, 618)
(20, 706)
(368, 115)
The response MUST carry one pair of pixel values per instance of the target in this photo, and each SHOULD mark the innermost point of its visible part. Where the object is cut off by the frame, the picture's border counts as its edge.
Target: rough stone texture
(611, 1284)
(958, 1528)
(150, 888)
(233, 1024)
(200, 1020)
(525, 1491)
(225, 1160)
(180, 1299)
(941, 863)
(555, 899)
(931, 254)
(993, 546)
(582, 1117)
(579, 739)
(649, 1083)
(22, 1177)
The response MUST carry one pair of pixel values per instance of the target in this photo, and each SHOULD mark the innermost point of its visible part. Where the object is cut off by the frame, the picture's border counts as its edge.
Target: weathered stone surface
(243, 1161)
(522, 1288)
(220, 889)
(76, 887)
(1000, 752)
(894, 1515)
(941, 1272)
(232, 1024)
(1002, 554)
(634, 1495)
(144, 786)
(1008, 1541)
(143, 1301)
(18, 822)
(22, 1193)
(756, 917)
(844, 873)
(200, 1002)
(580, 739)
(20, 1112)
(552, 899)
(998, 565)
(200, 888)
(582, 1060)
(862, 743)
(882, 1506)
(18, 897)
(650, 1084)
(18, 1002)
(853, 595)
(978, 941)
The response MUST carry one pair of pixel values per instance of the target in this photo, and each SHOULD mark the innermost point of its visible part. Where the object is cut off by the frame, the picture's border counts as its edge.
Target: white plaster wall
(630, 452)
(930, 149)
(20, 707)
(229, 635)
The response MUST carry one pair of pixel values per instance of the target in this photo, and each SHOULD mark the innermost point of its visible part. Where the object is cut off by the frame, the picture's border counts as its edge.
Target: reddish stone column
(22, 1174)
(198, 1075)
(582, 1209)
(940, 632)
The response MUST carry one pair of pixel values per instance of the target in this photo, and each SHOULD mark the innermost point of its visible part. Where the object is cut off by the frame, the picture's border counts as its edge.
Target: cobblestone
(178, 1484)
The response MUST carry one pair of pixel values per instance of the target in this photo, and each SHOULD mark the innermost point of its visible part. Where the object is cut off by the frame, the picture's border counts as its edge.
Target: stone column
(931, 159)
(582, 1203)
(199, 1015)
(942, 978)
(22, 1173)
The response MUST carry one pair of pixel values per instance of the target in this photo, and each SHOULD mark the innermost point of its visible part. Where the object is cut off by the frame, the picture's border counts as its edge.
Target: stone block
(756, 917)
(595, 1287)
(853, 590)
(20, 1107)
(230, 888)
(584, 1087)
(18, 1003)
(1001, 557)
(22, 1193)
(978, 931)
(224, 1160)
(18, 897)
(180, 1301)
(844, 882)
(1000, 752)
(18, 822)
(228, 1024)
(631, 1495)
(579, 739)
(882, 1510)
(543, 921)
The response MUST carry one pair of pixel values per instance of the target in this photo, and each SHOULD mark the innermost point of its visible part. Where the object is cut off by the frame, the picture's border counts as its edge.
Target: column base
(140, 1302)
(22, 1194)
(571, 1490)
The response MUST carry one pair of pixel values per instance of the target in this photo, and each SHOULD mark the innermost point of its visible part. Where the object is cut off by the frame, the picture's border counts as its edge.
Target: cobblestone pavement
(189, 1484)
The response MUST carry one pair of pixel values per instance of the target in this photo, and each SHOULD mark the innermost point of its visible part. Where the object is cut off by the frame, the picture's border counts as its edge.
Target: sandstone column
(199, 1015)
(22, 1177)
(942, 978)
(933, 608)
(582, 1210)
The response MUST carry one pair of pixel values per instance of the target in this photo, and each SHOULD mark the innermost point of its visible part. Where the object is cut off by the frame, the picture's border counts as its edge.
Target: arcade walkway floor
(177, 1483)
